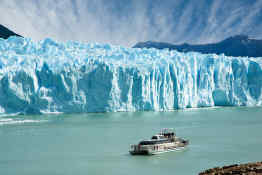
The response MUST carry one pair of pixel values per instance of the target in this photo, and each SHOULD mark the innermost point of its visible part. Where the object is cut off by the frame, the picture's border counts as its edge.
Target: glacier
(73, 77)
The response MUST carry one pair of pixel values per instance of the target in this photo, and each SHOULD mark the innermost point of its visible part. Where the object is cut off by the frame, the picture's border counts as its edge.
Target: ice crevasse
(72, 77)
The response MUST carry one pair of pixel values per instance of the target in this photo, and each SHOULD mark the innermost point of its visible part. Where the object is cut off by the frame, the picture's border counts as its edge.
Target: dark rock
(6, 33)
(242, 169)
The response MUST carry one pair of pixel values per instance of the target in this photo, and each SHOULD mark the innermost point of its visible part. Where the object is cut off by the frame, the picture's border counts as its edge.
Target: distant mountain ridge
(239, 45)
(6, 33)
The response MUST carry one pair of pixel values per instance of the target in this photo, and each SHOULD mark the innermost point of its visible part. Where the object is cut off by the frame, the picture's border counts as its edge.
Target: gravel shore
(241, 169)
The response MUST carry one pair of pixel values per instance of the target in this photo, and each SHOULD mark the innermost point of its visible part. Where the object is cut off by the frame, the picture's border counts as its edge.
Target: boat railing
(167, 130)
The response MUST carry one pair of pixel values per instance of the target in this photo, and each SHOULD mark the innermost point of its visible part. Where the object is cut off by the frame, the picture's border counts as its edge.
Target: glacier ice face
(72, 77)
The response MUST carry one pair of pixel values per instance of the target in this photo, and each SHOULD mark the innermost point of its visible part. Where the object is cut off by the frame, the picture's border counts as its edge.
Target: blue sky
(126, 22)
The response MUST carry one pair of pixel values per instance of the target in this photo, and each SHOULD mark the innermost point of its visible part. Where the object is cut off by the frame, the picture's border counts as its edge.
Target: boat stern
(140, 150)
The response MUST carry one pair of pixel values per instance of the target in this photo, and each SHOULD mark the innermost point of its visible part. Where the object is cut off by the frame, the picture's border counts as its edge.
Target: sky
(126, 22)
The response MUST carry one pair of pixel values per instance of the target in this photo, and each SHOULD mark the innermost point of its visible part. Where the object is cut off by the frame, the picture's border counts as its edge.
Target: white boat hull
(168, 150)
(156, 149)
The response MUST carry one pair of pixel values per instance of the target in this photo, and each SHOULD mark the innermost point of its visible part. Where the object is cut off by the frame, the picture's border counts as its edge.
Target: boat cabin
(156, 139)
(153, 142)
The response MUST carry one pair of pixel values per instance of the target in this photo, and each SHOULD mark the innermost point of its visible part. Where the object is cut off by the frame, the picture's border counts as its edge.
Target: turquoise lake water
(99, 143)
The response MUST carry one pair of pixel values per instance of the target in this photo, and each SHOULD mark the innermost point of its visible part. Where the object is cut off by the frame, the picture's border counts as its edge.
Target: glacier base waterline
(74, 77)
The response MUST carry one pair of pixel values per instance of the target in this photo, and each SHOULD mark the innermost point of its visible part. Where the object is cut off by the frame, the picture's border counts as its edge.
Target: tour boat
(165, 141)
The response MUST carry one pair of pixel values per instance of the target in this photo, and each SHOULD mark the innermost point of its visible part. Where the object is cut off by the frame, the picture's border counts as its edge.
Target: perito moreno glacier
(72, 77)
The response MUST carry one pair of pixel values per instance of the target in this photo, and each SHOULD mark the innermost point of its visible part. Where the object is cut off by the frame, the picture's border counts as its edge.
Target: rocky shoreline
(241, 169)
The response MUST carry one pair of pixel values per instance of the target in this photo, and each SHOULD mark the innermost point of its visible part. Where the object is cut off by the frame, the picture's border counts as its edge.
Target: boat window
(154, 137)
(152, 142)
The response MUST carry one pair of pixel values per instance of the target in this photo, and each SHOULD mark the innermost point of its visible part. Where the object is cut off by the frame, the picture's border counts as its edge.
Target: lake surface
(99, 143)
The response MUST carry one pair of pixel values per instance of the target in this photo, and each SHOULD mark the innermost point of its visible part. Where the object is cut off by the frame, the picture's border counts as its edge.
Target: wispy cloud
(126, 22)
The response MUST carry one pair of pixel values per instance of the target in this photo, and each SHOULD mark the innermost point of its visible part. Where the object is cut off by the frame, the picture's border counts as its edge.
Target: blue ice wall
(48, 76)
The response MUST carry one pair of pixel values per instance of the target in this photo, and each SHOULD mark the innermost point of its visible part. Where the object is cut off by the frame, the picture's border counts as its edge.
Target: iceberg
(73, 77)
